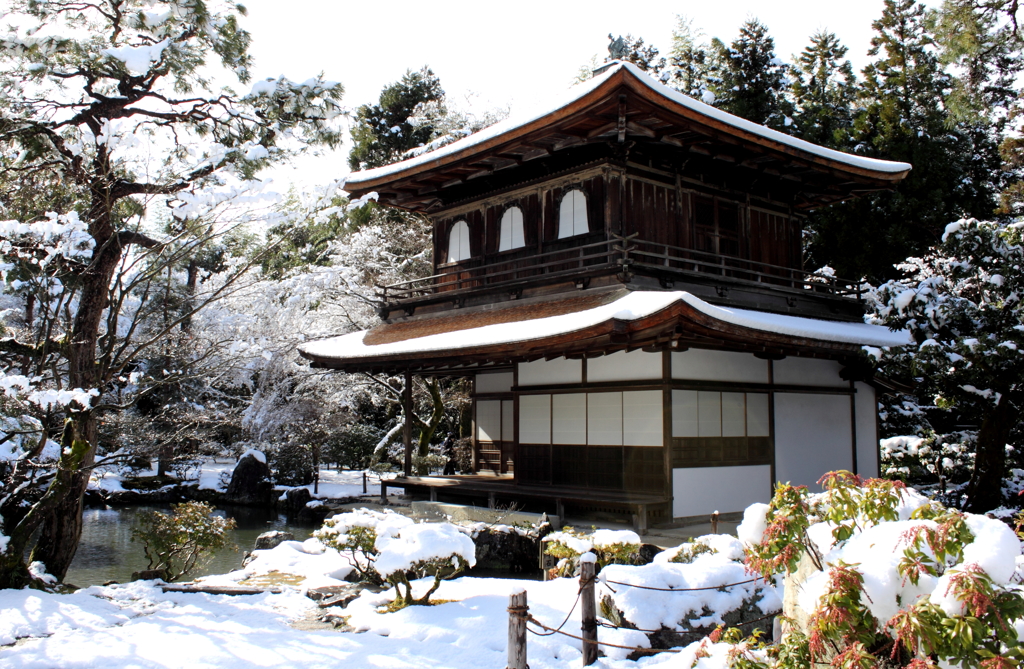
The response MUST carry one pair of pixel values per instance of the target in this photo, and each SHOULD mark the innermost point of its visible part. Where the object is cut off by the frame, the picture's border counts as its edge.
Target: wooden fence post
(517, 613)
(588, 607)
(364, 483)
(714, 523)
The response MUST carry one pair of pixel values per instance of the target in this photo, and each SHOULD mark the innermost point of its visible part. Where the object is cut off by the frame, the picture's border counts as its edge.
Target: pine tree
(385, 131)
(903, 117)
(753, 80)
(693, 66)
(824, 92)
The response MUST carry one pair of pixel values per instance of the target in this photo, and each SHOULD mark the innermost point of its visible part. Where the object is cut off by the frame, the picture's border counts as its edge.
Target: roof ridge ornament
(617, 49)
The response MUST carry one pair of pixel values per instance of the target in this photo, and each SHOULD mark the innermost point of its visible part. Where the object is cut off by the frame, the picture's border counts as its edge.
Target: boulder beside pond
(250, 481)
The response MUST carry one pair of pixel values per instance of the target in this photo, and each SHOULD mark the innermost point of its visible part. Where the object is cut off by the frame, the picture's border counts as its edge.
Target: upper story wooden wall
(683, 214)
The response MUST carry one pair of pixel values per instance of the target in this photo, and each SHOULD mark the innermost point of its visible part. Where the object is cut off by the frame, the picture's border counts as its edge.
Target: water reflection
(106, 552)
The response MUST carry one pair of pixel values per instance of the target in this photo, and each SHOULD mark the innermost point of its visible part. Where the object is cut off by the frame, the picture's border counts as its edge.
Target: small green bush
(352, 447)
(292, 464)
(183, 540)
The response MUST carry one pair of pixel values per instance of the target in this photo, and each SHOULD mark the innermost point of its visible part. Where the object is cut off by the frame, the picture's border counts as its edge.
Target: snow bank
(755, 522)
(27, 612)
(309, 560)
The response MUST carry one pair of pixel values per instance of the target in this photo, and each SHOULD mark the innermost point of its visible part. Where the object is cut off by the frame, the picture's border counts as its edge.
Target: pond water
(106, 552)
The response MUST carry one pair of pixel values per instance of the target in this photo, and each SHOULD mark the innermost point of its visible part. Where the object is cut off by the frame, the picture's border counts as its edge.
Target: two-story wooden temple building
(621, 277)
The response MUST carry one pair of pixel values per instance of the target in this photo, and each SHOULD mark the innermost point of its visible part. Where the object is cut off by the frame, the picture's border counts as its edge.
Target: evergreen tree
(693, 66)
(385, 131)
(824, 92)
(903, 118)
(753, 80)
(982, 42)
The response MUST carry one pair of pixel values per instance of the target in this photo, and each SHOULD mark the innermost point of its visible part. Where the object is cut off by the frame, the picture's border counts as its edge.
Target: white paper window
(604, 419)
(572, 214)
(507, 423)
(709, 409)
(458, 242)
(734, 411)
(684, 413)
(510, 235)
(642, 418)
(569, 418)
(488, 421)
(757, 415)
(535, 419)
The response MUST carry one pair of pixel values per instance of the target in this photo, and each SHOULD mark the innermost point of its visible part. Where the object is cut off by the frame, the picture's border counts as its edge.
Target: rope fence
(520, 620)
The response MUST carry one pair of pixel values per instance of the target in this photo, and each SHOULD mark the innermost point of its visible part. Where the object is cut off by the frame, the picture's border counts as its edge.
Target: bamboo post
(588, 607)
(517, 613)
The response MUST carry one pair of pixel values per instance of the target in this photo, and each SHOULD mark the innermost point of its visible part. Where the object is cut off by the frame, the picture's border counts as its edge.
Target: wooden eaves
(629, 104)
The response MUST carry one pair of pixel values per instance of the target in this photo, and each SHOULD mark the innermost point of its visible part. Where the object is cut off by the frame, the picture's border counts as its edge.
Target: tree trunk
(984, 491)
(427, 430)
(62, 529)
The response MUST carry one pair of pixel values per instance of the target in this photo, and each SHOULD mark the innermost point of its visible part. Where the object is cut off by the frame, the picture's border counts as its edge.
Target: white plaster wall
(704, 365)
(623, 366)
(734, 415)
(500, 382)
(535, 419)
(792, 371)
(507, 420)
(642, 418)
(544, 372)
(569, 418)
(867, 430)
(684, 413)
(812, 437)
(488, 420)
(700, 491)
(604, 419)
(757, 415)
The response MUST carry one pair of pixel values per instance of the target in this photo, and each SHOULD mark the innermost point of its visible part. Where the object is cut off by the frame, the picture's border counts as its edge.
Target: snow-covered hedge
(386, 547)
(609, 546)
(880, 576)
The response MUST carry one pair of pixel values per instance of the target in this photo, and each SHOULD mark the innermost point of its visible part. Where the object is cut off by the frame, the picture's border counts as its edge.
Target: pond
(106, 552)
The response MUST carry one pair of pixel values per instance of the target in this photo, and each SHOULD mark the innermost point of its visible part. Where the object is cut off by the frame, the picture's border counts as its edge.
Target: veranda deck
(504, 488)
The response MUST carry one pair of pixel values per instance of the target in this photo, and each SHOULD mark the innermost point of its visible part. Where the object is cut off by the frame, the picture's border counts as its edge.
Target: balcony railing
(612, 254)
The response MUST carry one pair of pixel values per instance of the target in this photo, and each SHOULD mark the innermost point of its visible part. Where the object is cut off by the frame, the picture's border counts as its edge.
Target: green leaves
(183, 540)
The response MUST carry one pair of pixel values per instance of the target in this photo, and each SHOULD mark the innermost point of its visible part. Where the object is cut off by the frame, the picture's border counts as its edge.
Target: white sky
(491, 54)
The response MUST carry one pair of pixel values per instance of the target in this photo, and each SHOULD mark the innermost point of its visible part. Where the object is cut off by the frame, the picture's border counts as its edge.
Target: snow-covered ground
(136, 625)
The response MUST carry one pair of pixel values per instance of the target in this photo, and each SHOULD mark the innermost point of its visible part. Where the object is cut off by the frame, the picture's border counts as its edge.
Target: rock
(250, 482)
(647, 553)
(339, 595)
(510, 548)
(296, 500)
(272, 539)
(150, 575)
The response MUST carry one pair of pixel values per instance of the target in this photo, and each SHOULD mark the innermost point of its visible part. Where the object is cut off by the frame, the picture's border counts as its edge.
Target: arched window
(572, 214)
(458, 242)
(510, 236)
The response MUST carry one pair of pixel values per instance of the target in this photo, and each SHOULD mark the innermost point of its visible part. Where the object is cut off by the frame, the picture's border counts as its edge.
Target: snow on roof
(582, 90)
(635, 305)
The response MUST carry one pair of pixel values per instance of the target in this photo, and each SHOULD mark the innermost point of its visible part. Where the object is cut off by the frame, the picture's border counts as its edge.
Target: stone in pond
(272, 539)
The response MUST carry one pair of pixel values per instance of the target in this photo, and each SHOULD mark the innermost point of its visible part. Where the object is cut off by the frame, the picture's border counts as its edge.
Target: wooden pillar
(517, 614)
(588, 608)
(407, 428)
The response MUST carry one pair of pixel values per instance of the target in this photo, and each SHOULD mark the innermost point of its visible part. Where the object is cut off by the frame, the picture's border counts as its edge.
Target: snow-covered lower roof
(625, 73)
(633, 306)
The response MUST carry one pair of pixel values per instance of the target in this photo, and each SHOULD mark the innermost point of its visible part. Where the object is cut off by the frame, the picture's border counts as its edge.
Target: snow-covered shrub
(712, 588)
(182, 540)
(386, 547)
(610, 547)
(942, 458)
(887, 578)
